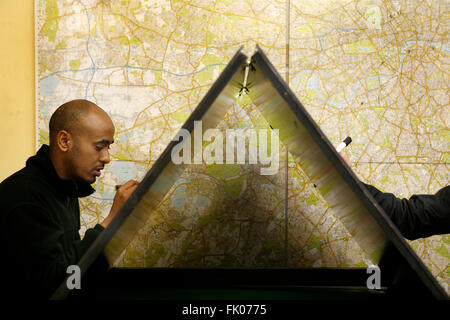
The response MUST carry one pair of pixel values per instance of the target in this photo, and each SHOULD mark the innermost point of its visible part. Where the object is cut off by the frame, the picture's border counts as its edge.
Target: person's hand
(122, 195)
(346, 159)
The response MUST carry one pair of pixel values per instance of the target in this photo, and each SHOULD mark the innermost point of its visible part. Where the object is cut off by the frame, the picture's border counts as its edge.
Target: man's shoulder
(24, 186)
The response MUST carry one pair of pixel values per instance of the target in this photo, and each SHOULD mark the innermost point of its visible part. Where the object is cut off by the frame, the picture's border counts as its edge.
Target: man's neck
(58, 164)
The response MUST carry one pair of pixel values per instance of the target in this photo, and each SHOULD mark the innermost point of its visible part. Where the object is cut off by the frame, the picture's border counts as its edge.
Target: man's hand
(345, 158)
(122, 195)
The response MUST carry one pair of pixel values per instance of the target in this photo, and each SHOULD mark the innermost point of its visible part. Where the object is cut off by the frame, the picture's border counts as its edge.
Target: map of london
(374, 70)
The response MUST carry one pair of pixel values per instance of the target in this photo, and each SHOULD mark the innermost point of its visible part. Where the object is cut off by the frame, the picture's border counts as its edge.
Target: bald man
(40, 215)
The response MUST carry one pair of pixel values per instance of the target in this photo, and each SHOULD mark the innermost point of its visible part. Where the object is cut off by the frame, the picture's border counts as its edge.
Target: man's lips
(97, 171)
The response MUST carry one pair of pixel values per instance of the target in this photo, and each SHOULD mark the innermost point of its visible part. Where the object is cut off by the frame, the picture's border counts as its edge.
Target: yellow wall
(17, 97)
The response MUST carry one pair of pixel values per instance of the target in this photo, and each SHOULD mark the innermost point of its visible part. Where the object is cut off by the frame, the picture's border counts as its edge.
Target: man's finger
(129, 184)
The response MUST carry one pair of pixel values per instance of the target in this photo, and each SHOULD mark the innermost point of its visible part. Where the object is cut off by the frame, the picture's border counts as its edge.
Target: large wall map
(375, 70)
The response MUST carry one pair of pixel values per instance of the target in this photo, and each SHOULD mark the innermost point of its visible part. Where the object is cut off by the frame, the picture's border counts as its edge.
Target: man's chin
(93, 179)
(89, 180)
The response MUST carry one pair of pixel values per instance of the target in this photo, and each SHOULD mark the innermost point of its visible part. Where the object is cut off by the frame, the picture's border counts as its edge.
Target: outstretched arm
(420, 216)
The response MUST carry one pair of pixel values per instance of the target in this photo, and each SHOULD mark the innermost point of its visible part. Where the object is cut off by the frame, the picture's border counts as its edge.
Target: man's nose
(105, 157)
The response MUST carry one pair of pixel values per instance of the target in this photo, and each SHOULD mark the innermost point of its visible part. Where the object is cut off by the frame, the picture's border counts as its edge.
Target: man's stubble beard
(77, 176)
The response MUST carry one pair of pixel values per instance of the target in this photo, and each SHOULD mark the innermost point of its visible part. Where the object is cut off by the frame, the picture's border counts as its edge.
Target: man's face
(90, 151)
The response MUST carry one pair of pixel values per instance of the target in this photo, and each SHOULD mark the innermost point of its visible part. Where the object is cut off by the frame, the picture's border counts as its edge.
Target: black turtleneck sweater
(40, 223)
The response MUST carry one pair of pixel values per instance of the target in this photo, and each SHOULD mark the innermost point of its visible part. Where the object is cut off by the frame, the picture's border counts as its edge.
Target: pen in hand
(343, 144)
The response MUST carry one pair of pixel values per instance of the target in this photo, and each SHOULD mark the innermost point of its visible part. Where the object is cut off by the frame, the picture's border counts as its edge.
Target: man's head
(80, 136)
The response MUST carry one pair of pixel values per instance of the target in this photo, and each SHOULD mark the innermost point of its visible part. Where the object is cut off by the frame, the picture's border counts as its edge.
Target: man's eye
(98, 148)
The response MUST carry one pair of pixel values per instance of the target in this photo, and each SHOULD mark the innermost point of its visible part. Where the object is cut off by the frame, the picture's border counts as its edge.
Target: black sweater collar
(70, 188)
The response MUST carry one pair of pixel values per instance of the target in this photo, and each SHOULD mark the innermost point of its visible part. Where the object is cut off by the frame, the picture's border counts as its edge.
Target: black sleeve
(417, 217)
(40, 250)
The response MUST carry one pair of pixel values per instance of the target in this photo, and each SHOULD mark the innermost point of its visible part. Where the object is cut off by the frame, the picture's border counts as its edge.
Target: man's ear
(64, 140)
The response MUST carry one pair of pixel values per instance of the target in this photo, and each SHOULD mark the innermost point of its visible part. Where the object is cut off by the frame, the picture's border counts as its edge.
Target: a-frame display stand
(402, 273)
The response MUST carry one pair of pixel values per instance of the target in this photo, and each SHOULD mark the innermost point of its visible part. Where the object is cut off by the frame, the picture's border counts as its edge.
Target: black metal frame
(399, 262)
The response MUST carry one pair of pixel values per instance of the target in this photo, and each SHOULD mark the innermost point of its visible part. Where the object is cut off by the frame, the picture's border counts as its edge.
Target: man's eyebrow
(105, 141)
